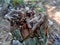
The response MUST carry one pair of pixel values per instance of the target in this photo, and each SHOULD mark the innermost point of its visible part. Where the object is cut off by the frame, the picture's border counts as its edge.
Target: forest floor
(53, 12)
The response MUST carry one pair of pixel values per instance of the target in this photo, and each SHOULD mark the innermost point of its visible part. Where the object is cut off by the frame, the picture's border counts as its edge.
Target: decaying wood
(26, 21)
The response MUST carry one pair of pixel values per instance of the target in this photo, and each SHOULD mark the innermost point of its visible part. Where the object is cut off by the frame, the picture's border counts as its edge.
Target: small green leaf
(17, 35)
(41, 10)
(17, 2)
